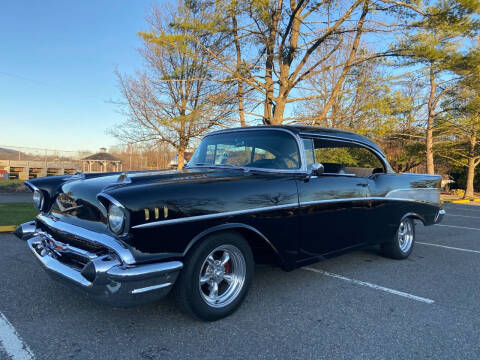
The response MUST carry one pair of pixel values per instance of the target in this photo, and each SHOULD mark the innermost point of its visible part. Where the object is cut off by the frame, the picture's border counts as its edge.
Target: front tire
(401, 245)
(216, 276)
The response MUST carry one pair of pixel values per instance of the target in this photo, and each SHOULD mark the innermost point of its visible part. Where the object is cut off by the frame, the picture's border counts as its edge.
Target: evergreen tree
(434, 43)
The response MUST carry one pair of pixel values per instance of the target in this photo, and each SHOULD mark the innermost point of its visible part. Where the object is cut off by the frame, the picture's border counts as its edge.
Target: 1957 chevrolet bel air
(289, 195)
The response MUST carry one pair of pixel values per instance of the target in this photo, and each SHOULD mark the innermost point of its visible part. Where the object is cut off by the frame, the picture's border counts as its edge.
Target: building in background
(101, 162)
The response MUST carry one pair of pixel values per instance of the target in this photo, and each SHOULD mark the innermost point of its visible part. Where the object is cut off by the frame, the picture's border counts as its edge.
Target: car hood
(77, 199)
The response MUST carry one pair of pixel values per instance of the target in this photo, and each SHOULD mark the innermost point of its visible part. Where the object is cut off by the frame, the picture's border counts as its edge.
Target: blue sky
(57, 62)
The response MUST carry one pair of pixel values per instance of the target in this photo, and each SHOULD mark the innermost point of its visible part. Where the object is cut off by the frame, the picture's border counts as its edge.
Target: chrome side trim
(104, 239)
(150, 288)
(327, 201)
(420, 194)
(270, 208)
(213, 216)
(381, 198)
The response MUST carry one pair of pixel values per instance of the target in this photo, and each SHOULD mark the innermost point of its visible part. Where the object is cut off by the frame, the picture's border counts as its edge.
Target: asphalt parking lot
(357, 306)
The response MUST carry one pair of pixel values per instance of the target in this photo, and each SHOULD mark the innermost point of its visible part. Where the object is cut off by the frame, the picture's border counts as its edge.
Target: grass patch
(12, 185)
(16, 213)
(9, 182)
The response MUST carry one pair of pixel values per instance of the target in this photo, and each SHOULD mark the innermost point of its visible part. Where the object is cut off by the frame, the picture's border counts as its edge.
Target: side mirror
(317, 169)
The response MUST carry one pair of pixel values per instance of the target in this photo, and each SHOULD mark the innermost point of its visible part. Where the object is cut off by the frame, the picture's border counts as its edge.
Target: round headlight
(38, 199)
(116, 218)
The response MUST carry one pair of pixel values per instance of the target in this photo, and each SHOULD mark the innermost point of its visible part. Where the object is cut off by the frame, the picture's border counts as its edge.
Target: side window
(309, 152)
(346, 158)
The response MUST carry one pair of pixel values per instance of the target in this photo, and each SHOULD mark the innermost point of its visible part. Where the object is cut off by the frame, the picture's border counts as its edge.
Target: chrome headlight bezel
(116, 219)
(38, 199)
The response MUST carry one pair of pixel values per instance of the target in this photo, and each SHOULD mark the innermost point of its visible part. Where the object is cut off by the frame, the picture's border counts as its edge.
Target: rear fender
(416, 187)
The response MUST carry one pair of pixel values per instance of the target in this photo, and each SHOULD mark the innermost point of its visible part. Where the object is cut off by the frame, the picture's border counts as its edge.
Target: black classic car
(288, 195)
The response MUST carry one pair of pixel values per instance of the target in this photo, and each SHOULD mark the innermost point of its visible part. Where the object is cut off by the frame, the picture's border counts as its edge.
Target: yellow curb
(8, 228)
(476, 200)
(460, 201)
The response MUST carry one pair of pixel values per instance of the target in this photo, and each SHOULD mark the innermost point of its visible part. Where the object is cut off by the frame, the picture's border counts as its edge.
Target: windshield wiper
(227, 166)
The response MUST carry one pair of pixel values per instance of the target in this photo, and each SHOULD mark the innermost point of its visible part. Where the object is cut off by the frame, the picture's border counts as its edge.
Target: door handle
(362, 184)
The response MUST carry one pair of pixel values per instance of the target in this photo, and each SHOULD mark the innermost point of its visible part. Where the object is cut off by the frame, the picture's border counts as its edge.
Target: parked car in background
(289, 195)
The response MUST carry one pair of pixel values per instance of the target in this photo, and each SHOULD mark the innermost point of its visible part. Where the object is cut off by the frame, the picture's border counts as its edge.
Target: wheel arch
(259, 243)
(413, 215)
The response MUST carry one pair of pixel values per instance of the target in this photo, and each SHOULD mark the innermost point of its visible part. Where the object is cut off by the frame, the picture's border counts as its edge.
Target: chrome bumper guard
(104, 277)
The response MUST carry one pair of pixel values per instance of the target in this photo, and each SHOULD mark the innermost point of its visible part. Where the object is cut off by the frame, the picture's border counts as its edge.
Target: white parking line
(372, 286)
(458, 227)
(448, 247)
(466, 216)
(14, 346)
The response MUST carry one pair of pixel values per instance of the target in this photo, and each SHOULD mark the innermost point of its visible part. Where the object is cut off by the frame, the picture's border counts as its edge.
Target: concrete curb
(461, 201)
(7, 228)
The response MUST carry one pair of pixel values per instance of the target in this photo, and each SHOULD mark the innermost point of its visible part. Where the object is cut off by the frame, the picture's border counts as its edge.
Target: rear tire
(401, 245)
(216, 276)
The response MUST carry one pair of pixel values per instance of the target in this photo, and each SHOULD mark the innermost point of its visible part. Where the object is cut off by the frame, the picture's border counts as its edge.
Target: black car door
(333, 205)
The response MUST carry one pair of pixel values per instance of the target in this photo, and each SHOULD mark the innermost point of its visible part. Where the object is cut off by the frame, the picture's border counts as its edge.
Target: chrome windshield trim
(213, 216)
(95, 237)
(303, 164)
(247, 169)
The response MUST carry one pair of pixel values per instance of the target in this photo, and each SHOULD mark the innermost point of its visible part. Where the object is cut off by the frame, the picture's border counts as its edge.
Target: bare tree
(282, 38)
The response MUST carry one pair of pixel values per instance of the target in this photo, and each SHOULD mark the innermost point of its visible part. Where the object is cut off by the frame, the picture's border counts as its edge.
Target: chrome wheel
(222, 276)
(405, 235)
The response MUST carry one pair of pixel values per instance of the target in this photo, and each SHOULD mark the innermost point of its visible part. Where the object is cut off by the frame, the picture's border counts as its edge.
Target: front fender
(256, 237)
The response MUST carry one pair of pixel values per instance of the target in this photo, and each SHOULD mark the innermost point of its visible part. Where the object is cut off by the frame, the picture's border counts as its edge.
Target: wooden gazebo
(101, 162)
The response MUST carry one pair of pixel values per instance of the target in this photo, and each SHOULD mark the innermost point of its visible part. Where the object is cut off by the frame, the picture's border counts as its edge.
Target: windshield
(267, 149)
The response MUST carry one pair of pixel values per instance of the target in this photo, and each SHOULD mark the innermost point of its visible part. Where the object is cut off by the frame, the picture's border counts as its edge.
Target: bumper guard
(104, 277)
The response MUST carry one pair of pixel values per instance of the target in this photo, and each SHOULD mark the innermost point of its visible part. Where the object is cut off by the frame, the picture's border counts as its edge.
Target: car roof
(316, 131)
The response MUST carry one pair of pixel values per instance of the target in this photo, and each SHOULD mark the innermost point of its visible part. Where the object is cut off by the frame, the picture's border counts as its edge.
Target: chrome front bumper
(104, 277)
